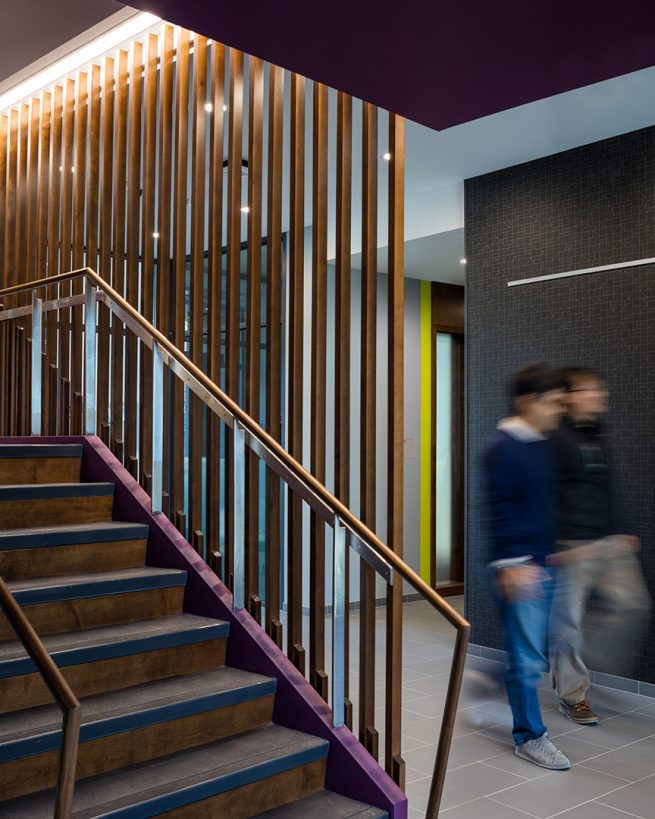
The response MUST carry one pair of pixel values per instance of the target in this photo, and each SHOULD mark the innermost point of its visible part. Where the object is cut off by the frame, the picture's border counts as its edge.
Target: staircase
(167, 728)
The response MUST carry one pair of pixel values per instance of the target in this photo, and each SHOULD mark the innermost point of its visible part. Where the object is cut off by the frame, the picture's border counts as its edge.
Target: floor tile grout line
(520, 810)
(591, 802)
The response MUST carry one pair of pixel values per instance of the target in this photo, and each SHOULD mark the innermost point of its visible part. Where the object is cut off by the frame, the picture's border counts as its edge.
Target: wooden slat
(179, 268)
(253, 323)
(68, 163)
(274, 343)
(32, 188)
(317, 674)
(215, 295)
(148, 254)
(342, 339)
(79, 202)
(93, 173)
(163, 246)
(295, 649)
(10, 204)
(198, 159)
(368, 734)
(394, 764)
(44, 174)
(105, 269)
(133, 247)
(233, 285)
(21, 200)
(4, 137)
(51, 399)
(118, 254)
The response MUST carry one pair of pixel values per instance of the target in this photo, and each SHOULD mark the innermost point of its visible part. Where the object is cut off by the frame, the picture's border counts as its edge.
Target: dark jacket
(584, 497)
(519, 483)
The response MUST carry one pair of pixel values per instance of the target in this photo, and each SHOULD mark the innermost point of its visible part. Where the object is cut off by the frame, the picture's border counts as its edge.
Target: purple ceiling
(437, 63)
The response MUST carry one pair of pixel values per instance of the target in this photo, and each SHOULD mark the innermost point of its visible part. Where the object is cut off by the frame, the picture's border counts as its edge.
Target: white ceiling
(436, 162)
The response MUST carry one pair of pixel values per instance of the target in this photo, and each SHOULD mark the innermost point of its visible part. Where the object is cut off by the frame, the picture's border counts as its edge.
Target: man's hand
(520, 582)
(629, 543)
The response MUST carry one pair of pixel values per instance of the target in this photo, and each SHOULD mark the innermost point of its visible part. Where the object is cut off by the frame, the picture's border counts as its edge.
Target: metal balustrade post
(90, 361)
(239, 512)
(37, 336)
(338, 624)
(157, 427)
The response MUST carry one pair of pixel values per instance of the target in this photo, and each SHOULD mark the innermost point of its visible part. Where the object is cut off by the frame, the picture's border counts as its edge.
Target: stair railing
(387, 564)
(60, 690)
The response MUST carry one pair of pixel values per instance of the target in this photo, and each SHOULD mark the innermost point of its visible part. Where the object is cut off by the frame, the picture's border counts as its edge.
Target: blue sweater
(519, 486)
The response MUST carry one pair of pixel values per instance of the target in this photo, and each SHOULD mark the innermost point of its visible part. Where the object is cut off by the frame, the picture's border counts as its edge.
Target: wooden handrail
(303, 476)
(60, 690)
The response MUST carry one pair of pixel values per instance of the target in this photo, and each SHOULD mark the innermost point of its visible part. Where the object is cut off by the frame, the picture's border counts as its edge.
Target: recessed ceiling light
(73, 170)
(225, 107)
(462, 261)
(387, 156)
(245, 209)
(155, 235)
(209, 106)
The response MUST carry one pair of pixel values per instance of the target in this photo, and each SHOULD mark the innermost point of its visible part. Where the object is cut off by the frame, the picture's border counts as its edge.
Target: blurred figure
(519, 476)
(596, 556)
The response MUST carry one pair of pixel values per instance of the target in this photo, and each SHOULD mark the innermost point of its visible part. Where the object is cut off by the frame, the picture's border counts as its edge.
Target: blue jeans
(526, 640)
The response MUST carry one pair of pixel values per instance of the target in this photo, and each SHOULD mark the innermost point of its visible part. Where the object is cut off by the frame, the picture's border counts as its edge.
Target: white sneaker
(542, 752)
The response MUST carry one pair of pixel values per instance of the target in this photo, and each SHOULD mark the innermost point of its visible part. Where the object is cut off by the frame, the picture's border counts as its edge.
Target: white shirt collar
(520, 429)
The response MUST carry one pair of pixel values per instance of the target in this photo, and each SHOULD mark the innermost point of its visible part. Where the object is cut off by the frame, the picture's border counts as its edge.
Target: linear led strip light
(76, 59)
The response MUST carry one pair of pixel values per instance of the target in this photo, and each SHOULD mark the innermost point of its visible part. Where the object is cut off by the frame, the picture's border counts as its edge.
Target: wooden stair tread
(325, 805)
(47, 491)
(94, 584)
(71, 534)
(41, 450)
(183, 778)
(86, 646)
(39, 729)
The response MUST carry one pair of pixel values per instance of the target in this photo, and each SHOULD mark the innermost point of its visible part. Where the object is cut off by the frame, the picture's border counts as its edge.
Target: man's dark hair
(573, 376)
(536, 379)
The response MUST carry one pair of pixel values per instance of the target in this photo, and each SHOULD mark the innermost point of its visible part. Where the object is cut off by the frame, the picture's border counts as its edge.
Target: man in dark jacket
(519, 482)
(595, 554)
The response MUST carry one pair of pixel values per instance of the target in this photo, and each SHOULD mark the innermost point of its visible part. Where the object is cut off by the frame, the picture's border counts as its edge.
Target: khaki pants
(614, 575)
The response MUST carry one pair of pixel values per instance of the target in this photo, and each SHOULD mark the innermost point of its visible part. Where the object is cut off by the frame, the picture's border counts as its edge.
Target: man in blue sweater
(519, 475)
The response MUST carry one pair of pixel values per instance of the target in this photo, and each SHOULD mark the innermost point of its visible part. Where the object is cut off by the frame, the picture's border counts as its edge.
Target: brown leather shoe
(581, 712)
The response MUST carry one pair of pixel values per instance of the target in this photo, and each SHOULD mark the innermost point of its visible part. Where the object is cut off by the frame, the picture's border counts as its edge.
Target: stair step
(229, 778)
(325, 805)
(132, 726)
(22, 505)
(114, 657)
(94, 584)
(55, 550)
(36, 463)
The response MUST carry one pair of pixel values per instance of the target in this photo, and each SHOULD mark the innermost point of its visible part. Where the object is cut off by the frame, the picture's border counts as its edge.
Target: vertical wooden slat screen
(10, 202)
(148, 254)
(342, 301)
(65, 260)
(105, 269)
(43, 183)
(178, 288)
(51, 393)
(254, 321)
(132, 256)
(163, 246)
(295, 649)
(318, 676)
(394, 763)
(197, 283)
(20, 234)
(93, 182)
(79, 202)
(32, 189)
(233, 284)
(118, 252)
(368, 734)
(274, 343)
(215, 298)
(4, 329)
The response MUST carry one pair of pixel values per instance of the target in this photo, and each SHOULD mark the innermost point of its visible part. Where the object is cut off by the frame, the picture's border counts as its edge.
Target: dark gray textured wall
(591, 206)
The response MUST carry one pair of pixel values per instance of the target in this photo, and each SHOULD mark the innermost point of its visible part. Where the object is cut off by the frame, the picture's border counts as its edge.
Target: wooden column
(105, 267)
(295, 649)
(118, 261)
(178, 288)
(148, 255)
(133, 247)
(163, 243)
(235, 147)
(394, 763)
(253, 324)
(318, 675)
(342, 338)
(368, 734)
(215, 295)
(197, 283)
(274, 343)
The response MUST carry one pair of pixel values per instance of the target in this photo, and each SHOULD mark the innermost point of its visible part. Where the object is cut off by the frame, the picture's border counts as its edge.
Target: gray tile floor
(613, 773)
